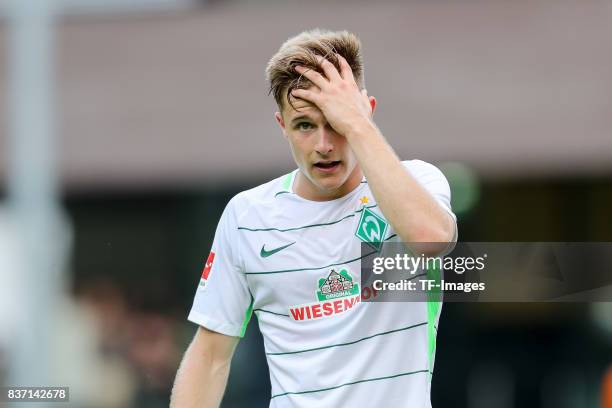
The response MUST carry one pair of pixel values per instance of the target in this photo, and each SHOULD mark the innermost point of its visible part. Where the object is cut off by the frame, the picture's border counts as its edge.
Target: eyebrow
(300, 117)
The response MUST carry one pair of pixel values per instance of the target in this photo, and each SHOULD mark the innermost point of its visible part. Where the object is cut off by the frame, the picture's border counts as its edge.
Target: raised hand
(337, 95)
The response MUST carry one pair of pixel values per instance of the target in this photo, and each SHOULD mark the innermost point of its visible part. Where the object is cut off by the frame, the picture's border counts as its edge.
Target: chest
(311, 258)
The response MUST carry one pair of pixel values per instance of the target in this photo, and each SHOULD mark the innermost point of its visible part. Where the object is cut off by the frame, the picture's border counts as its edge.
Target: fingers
(314, 77)
(306, 94)
(332, 80)
(329, 69)
(345, 69)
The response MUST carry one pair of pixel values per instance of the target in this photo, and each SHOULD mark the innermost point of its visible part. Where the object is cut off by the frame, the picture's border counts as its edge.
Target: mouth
(327, 166)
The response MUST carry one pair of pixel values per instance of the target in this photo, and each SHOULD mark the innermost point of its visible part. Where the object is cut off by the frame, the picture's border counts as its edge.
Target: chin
(331, 183)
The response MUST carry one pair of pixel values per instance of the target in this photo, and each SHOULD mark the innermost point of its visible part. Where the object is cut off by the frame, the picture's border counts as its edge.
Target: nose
(325, 144)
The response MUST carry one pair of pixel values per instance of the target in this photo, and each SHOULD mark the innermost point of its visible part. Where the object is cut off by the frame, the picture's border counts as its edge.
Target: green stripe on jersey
(350, 383)
(247, 318)
(350, 342)
(296, 228)
(271, 312)
(311, 269)
(306, 226)
(318, 267)
(433, 310)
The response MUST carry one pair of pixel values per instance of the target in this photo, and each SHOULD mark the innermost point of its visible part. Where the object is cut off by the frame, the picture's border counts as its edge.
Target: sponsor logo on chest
(336, 293)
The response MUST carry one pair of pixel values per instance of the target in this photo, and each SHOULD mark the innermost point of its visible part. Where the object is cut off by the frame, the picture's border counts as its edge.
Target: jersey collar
(287, 183)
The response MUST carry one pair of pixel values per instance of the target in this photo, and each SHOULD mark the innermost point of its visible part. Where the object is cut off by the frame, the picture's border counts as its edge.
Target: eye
(303, 126)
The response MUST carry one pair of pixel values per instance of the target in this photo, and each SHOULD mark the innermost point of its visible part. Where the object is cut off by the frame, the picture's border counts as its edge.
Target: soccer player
(289, 250)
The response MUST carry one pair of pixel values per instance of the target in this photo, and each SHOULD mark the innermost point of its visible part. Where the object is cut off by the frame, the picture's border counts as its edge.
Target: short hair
(302, 50)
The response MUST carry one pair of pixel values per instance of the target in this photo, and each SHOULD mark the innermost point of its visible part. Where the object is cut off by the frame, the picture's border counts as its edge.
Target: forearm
(201, 380)
(410, 209)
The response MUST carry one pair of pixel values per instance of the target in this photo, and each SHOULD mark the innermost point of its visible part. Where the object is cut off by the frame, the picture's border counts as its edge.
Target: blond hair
(302, 50)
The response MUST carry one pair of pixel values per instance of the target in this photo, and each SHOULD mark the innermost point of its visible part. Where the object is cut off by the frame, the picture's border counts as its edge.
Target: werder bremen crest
(372, 228)
(336, 285)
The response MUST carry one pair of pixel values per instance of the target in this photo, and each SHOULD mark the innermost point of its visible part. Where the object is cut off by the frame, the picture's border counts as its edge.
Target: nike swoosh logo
(265, 254)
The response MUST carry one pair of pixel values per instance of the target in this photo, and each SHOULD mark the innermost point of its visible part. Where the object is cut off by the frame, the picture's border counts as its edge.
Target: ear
(372, 103)
(279, 119)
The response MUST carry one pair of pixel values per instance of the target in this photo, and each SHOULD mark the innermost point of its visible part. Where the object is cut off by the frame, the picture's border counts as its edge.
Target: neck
(306, 189)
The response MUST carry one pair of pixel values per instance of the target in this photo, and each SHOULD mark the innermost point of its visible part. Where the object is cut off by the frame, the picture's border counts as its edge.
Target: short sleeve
(223, 302)
(434, 181)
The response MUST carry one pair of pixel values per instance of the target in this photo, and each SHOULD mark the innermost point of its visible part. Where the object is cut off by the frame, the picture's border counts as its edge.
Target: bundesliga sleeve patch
(207, 268)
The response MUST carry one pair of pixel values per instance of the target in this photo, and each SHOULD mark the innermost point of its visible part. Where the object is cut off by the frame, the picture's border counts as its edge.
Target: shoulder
(423, 171)
(418, 167)
(260, 197)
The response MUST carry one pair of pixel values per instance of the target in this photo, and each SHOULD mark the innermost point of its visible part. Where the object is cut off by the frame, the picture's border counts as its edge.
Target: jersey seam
(242, 263)
(249, 311)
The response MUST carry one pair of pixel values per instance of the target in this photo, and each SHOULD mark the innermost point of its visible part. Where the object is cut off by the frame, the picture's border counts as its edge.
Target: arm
(202, 376)
(412, 211)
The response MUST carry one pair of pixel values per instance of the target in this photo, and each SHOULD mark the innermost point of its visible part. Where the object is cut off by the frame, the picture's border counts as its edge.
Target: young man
(289, 250)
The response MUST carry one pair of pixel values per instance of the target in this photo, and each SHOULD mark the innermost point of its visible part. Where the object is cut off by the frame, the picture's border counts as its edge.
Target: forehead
(300, 108)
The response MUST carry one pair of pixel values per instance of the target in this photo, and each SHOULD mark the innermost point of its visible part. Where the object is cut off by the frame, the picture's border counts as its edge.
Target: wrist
(360, 129)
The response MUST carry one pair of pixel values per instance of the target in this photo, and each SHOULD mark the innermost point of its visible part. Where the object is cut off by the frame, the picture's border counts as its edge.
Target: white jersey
(295, 263)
